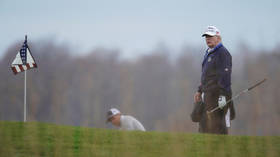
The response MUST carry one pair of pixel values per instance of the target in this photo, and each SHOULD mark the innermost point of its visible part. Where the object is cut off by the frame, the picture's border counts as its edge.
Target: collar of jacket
(213, 50)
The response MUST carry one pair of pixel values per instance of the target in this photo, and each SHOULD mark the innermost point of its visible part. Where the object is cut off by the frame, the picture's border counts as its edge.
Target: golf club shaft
(236, 96)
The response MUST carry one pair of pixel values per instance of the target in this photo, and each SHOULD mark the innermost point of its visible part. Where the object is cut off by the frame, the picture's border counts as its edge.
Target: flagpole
(25, 88)
(25, 96)
(23, 62)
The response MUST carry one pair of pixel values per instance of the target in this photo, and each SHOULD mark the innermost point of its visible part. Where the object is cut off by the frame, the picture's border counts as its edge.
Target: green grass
(39, 139)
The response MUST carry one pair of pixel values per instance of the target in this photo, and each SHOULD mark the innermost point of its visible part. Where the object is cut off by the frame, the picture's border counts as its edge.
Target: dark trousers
(213, 122)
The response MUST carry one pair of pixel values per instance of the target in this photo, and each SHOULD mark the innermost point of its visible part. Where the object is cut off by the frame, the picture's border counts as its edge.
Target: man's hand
(197, 97)
(222, 101)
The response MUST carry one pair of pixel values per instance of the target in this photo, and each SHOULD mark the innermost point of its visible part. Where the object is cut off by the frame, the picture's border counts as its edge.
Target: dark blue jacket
(216, 71)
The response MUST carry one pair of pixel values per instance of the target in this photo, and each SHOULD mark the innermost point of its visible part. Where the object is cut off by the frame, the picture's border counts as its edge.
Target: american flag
(24, 59)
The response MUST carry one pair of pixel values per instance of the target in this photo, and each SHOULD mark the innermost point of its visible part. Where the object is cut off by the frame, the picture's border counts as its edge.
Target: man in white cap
(125, 122)
(215, 87)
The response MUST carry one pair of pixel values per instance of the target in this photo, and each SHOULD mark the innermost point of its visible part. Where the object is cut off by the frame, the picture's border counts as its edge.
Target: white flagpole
(25, 96)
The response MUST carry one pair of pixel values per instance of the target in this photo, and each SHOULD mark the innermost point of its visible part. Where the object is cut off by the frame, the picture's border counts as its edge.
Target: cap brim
(208, 34)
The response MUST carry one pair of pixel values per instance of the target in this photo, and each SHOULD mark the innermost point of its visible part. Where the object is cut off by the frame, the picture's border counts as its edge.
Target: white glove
(222, 101)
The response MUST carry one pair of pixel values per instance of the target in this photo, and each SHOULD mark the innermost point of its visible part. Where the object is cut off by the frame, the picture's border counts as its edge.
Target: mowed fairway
(41, 139)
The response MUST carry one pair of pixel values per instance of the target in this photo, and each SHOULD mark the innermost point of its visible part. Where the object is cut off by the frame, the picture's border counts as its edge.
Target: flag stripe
(24, 67)
(20, 67)
(17, 68)
(14, 70)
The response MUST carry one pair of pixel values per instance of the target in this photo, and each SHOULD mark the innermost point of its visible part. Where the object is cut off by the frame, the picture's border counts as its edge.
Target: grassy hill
(40, 139)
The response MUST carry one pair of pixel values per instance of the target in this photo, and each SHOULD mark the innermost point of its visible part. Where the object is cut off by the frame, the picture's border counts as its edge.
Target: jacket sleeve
(199, 89)
(224, 67)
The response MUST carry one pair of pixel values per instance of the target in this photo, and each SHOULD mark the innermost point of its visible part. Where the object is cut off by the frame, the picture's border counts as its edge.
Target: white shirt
(130, 123)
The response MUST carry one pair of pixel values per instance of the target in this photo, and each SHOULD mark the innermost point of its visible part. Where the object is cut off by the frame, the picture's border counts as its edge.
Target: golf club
(236, 96)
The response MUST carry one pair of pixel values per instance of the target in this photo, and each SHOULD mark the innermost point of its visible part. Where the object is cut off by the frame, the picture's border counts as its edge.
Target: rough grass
(39, 139)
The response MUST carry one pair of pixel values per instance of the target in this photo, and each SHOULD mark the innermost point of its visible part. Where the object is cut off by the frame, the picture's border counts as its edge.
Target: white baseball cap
(211, 31)
(112, 112)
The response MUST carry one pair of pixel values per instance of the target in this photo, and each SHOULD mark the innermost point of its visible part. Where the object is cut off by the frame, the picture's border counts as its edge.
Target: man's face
(211, 41)
(115, 120)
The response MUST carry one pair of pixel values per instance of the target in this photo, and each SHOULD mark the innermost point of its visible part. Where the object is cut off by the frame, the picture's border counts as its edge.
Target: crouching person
(124, 122)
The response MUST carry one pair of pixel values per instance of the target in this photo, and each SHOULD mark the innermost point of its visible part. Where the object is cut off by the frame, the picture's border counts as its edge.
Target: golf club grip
(257, 84)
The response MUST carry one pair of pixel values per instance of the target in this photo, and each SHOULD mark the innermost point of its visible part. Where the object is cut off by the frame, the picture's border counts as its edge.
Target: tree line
(157, 88)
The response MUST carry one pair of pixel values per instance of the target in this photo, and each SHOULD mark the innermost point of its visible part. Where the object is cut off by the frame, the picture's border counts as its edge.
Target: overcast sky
(139, 26)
